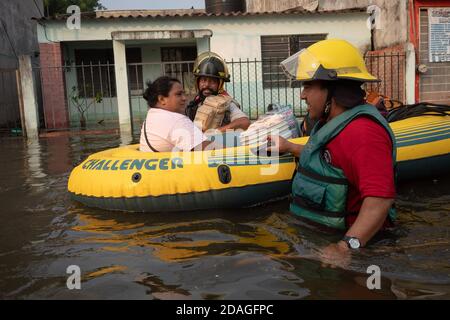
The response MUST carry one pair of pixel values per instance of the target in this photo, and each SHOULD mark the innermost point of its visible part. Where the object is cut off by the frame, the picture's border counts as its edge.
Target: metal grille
(389, 67)
(65, 87)
(246, 86)
(255, 94)
(275, 49)
(181, 70)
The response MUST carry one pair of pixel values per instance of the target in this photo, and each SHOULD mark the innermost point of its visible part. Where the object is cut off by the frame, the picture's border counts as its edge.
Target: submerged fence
(70, 92)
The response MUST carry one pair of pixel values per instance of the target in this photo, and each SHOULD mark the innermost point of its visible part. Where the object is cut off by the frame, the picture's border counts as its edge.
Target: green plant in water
(82, 104)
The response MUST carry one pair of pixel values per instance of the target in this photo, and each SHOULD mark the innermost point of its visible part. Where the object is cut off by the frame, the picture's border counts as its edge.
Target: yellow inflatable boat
(129, 180)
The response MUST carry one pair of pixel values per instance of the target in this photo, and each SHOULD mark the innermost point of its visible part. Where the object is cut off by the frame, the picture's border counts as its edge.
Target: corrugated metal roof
(121, 14)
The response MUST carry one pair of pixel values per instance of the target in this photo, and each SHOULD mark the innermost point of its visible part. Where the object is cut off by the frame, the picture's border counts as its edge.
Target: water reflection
(34, 164)
(283, 253)
(255, 253)
(182, 241)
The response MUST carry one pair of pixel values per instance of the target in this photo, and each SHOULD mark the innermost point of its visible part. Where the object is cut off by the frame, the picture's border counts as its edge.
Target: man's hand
(241, 123)
(336, 255)
(370, 219)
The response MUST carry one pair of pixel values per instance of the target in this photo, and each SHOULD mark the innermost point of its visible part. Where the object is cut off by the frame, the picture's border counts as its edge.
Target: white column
(203, 44)
(30, 106)
(410, 74)
(123, 99)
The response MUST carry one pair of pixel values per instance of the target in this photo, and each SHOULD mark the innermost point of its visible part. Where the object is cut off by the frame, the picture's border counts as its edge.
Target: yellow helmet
(330, 60)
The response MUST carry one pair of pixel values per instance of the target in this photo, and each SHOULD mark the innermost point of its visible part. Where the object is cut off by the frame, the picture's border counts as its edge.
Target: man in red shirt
(345, 178)
(362, 151)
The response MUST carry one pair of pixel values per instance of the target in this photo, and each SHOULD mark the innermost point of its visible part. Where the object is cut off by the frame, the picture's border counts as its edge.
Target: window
(177, 55)
(173, 57)
(275, 49)
(95, 72)
(135, 80)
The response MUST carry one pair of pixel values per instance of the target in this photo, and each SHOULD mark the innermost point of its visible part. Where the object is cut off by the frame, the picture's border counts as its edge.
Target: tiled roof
(120, 14)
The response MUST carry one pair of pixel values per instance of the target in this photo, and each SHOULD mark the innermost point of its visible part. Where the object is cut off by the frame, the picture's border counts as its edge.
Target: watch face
(354, 243)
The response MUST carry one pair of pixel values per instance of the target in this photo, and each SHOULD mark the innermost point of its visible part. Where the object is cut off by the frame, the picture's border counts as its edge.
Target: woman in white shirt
(166, 127)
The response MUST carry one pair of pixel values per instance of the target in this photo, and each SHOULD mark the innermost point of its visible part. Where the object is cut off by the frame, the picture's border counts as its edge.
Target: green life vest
(319, 189)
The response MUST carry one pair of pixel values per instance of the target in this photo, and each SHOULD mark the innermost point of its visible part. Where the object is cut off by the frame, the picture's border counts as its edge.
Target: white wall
(393, 15)
(107, 109)
(233, 37)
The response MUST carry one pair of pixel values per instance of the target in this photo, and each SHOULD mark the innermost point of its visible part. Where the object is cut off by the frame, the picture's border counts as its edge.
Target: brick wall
(53, 86)
(388, 65)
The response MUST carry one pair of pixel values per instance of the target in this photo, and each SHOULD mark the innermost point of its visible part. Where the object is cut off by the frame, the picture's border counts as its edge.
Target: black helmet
(210, 64)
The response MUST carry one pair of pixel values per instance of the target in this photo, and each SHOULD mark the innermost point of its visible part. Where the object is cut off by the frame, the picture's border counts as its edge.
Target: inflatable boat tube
(127, 179)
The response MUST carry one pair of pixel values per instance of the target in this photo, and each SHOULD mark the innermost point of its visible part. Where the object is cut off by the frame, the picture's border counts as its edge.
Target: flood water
(255, 253)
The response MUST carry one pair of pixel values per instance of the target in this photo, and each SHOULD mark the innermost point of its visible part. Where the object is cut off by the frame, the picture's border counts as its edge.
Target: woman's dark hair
(347, 93)
(160, 87)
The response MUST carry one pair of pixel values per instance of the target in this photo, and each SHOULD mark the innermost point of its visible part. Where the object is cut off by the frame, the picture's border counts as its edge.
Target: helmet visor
(301, 66)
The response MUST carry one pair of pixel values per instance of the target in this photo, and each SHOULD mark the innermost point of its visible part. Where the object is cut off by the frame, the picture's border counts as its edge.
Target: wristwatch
(352, 242)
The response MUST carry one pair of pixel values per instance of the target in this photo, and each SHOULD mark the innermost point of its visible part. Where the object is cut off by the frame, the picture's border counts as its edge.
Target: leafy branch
(82, 104)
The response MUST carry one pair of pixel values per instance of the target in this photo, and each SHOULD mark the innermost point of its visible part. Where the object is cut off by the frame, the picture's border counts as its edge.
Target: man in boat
(346, 173)
(212, 107)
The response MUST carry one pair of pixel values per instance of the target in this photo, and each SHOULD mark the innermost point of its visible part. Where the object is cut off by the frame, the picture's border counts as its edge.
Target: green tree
(54, 7)
(82, 104)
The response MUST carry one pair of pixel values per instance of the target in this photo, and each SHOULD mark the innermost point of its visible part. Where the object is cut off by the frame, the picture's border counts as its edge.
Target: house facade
(419, 29)
(429, 35)
(114, 53)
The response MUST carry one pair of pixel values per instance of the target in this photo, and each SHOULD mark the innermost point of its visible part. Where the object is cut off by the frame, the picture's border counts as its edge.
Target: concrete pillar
(410, 74)
(30, 105)
(126, 137)
(123, 98)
